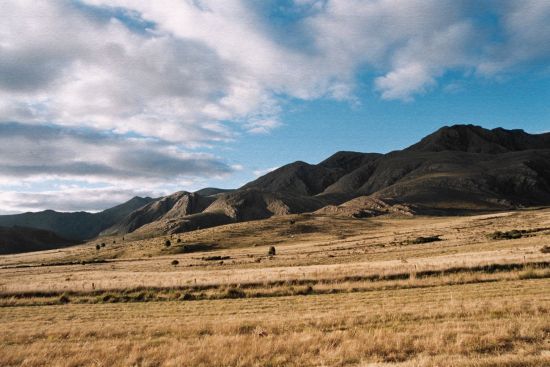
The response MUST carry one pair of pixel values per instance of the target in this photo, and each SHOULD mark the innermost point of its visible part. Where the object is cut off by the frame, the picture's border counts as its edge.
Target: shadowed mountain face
(300, 178)
(22, 239)
(475, 139)
(457, 169)
(74, 226)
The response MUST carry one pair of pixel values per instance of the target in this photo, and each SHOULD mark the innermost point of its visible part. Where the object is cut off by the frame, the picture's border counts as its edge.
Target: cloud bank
(112, 91)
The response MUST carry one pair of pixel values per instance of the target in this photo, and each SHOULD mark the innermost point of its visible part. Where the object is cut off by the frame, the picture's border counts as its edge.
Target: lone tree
(271, 251)
(167, 243)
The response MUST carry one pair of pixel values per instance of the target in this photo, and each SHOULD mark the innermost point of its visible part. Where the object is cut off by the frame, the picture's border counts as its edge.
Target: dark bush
(97, 247)
(307, 290)
(545, 249)
(419, 240)
(272, 251)
(179, 240)
(175, 262)
(109, 298)
(102, 244)
(509, 235)
(167, 243)
(64, 299)
(141, 296)
(215, 258)
(235, 293)
(187, 297)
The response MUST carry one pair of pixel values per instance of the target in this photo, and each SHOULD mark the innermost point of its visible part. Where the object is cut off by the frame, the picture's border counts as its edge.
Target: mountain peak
(476, 139)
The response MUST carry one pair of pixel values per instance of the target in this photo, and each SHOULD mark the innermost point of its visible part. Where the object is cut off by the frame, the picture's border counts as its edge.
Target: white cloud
(192, 74)
(38, 152)
(202, 63)
(403, 82)
(98, 73)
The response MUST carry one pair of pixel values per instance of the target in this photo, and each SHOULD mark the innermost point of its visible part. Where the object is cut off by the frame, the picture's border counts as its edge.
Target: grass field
(339, 292)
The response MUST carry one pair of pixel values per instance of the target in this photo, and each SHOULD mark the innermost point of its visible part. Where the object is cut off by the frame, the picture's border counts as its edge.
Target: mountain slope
(463, 167)
(177, 205)
(23, 239)
(77, 225)
(300, 178)
(464, 180)
(237, 206)
(475, 139)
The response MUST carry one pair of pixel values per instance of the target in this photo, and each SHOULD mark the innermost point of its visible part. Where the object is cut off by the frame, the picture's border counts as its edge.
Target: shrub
(272, 251)
(64, 299)
(109, 298)
(545, 249)
(97, 247)
(167, 243)
(509, 235)
(187, 297)
(235, 293)
(141, 296)
(179, 240)
(215, 258)
(305, 291)
(102, 244)
(419, 240)
(175, 262)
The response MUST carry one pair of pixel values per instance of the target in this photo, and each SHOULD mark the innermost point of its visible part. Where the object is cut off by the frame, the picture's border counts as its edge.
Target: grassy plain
(339, 292)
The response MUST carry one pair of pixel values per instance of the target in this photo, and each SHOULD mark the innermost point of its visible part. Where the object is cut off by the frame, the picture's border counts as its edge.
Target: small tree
(97, 247)
(271, 251)
(175, 262)
(167, 243)
(102, 244)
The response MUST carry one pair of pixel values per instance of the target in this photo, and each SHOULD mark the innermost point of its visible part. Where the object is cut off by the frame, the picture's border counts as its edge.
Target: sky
(102, 100)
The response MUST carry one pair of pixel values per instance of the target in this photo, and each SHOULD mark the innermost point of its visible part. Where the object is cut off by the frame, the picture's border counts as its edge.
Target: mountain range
(457, 169)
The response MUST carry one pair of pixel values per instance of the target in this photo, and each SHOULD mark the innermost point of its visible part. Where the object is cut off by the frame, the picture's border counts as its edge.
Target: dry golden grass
(339, 292)
(464, 323)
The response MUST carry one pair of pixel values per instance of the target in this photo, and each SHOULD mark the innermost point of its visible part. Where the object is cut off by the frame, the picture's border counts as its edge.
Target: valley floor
(339, 292)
